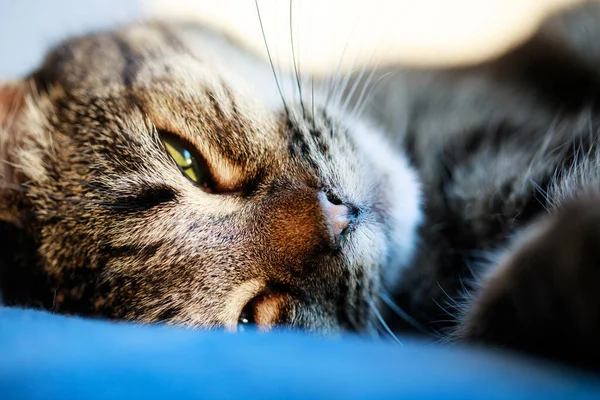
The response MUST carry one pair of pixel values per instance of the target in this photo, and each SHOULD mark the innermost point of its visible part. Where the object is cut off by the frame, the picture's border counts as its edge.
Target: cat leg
(543, 297)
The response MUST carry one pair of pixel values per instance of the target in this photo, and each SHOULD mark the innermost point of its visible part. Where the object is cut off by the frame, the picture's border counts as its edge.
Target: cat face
(158, 182)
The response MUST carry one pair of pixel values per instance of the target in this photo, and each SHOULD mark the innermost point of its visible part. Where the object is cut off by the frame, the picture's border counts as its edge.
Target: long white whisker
(312, 99)
(366, 94)
(333, 80)
(270, 58)
(451, 301)
(382, 321)
(445, 310)
(359, 78)
(294, 60)
(401, 313)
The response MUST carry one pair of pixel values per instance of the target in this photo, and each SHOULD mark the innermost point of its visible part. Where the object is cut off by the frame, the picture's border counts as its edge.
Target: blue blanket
(43, 356)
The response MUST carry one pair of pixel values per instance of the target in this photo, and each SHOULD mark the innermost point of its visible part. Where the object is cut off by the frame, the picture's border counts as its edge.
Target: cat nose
(337, 216)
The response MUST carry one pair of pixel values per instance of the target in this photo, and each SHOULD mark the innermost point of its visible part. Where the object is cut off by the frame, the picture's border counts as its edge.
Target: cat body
(508, 158)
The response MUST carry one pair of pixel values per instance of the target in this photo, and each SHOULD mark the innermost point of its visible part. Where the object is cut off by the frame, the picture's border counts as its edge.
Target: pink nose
(336, 215)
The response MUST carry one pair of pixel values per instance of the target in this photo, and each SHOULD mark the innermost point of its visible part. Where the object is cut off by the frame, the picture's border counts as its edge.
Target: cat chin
(400, 198)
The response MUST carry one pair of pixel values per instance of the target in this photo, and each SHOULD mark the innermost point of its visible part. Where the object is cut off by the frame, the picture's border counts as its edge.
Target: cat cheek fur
(400, 198)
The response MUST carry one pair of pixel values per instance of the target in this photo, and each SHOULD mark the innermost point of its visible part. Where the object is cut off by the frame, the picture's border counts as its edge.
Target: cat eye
(246, 318)
(193, 166)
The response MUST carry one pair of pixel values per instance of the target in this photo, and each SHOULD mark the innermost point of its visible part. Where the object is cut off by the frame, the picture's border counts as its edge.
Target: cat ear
(12, 102)
(12, 99)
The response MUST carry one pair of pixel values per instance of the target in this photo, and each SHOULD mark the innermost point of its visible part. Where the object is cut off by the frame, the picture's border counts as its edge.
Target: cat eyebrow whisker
(294, 62)
(343, 84)
(361, 77)
(333, 80)
(287, 112)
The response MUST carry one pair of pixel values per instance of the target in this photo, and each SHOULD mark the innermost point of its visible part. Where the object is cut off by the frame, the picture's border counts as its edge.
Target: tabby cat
(153, 173)
(157, 173)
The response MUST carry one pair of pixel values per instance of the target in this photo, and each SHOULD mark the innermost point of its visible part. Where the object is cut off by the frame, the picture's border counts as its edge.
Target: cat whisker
(465, 293)
(445, 310)
(312, 99)
(334, 79)
(451, 301)
(294, 62)
(382, 321)
(343, 84)
(366, 93)
(360, 78)
(53, 308)
(402, 314)
(102, 204)
(262, 29)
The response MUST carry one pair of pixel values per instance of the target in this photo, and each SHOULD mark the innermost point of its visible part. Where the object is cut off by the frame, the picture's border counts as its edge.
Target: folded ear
(12, 99)
(12, 104)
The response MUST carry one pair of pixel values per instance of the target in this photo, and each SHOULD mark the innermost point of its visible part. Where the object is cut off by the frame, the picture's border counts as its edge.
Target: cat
(156, 173)
(153, 173)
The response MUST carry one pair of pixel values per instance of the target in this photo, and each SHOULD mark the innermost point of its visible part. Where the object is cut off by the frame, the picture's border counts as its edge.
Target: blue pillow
(44, 356)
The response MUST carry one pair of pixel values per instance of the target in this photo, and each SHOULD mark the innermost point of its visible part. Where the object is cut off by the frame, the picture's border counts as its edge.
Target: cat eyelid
(189, 160)
(225, 182)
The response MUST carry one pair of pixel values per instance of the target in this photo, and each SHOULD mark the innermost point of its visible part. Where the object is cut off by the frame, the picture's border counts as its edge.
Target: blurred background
(326, 33)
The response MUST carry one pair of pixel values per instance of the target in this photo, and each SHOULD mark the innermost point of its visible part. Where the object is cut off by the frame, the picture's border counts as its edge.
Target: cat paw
(543, 297)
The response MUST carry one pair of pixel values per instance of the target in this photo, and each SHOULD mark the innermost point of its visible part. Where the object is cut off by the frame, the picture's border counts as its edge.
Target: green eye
(193, 167)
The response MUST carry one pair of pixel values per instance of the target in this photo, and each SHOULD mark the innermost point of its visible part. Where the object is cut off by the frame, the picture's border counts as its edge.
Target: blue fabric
(43, 356)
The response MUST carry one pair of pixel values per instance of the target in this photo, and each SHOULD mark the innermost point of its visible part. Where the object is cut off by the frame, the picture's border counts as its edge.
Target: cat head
(155, 181)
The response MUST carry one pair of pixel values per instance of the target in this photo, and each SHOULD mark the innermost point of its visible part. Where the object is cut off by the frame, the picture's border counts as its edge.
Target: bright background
(326, 32)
